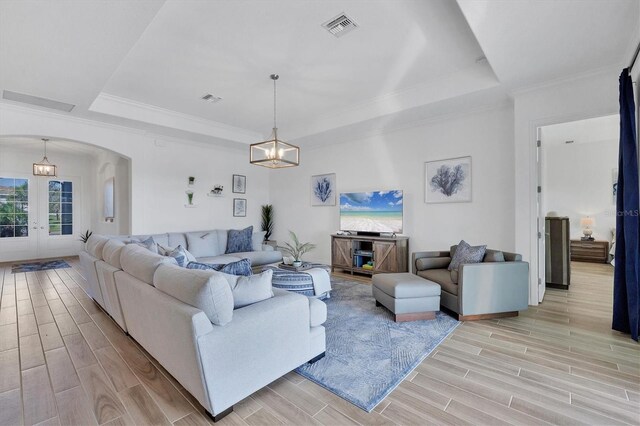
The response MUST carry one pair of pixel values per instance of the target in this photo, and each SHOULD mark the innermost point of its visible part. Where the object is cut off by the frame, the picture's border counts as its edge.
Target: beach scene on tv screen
(371, 211)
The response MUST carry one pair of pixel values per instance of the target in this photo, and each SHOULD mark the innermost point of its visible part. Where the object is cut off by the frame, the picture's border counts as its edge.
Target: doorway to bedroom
(578, 169)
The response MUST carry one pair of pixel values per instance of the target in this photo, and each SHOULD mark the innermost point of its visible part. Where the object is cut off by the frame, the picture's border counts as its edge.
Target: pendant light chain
(275, 126)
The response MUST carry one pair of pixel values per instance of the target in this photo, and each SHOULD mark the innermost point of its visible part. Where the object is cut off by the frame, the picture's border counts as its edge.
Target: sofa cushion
(432, 263)
(177, 239)
(205, 290)
(239, 240)
(111, 253)
(240, 267)
(257, 239)
(259, 258)
(465, 253)
(493, 256)
(223, 258)
(249, 290)
(95, 245)
(203, 244)
(141, 263)
(317, 312)
(442, 277)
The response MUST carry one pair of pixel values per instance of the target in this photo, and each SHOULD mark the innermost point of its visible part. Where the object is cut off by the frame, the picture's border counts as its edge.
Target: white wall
(592, 95)
(395, 160)
(577, 183)
(159, 171)
(109, 165)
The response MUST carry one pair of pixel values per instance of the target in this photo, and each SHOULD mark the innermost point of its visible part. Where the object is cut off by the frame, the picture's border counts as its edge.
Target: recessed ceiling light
(212, 99)
(340, 25)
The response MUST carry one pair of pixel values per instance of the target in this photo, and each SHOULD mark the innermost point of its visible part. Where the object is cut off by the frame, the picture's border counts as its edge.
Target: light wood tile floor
(63, 361)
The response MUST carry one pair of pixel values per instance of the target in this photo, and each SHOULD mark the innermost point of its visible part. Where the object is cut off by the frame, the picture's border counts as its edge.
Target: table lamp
(586, 223)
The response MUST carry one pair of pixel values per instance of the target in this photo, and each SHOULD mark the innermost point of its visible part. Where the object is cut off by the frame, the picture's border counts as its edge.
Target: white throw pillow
(257, 239)
(205, 290)
(249, 290)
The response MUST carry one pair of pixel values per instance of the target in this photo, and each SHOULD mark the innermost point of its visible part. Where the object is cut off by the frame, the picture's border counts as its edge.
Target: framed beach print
(448, 181)
(239, 185)
(323, 190)
(239, 207)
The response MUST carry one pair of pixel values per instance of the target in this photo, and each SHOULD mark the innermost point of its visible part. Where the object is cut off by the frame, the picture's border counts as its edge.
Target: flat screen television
(371, 212)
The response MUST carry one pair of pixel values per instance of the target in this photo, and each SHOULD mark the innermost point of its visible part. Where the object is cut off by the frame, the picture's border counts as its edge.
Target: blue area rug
(368, 354)
(39, 266)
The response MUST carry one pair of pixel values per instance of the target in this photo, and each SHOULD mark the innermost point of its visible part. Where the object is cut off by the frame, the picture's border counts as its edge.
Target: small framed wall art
(239, 185)
(323, 190)
(239, 207)
(448, 181)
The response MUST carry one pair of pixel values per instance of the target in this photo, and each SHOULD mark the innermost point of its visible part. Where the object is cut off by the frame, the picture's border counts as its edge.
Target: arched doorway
(43, 216)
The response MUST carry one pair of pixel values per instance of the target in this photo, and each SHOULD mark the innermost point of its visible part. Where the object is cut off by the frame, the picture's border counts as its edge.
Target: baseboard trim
(487, 316)
(222, 415)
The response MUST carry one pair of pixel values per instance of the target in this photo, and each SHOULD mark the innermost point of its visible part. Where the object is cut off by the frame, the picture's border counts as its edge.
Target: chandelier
(44, 167)
(274, 153)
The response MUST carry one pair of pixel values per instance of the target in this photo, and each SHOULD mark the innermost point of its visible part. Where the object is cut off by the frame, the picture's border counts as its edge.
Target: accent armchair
(497, 287)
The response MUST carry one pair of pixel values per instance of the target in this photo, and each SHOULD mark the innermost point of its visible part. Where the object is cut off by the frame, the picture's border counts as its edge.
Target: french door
(39, 217)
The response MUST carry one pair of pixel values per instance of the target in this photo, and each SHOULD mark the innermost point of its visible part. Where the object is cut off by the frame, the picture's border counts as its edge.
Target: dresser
(590, 251)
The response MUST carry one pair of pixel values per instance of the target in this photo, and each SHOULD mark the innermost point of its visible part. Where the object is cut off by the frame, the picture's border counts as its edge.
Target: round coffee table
(300, 282)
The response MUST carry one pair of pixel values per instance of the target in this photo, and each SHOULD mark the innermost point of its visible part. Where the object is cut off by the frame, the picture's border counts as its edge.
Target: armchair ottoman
(407, 296)
(497, 287)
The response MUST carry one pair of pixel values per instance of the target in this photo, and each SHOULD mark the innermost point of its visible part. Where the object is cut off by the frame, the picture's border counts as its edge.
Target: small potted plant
(267, 224)
(296, 249)
(190, 197)
(84, 237)
(192, 180)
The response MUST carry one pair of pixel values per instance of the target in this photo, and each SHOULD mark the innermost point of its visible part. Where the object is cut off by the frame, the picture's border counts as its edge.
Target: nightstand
(590, 251)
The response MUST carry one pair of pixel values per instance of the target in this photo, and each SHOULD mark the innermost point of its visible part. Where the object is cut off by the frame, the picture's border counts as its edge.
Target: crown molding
(615, 68)
(133, 110)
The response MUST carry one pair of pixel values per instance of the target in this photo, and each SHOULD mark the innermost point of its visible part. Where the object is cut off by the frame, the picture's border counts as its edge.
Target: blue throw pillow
(241, 267)
(239, 241)
(466, 254)
(180, 255)
(149, 244)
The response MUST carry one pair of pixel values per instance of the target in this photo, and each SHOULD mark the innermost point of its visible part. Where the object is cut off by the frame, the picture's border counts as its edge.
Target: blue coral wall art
(323, 190)
(448, 181)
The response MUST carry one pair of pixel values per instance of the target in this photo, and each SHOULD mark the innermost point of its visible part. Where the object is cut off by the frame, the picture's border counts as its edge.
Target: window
(14, 207)
(60, 208)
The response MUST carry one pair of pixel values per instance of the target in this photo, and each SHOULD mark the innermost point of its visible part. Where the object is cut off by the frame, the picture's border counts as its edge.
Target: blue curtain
(626, 294)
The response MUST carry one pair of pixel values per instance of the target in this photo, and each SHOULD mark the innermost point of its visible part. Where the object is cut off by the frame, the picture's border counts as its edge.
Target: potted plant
(296, 249)
(84, 237)
(267, 224)
(190, 197)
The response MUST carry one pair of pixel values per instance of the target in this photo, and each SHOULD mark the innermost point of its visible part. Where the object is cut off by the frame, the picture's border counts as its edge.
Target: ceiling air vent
(35, 100)
(212, 99)
(340, 25)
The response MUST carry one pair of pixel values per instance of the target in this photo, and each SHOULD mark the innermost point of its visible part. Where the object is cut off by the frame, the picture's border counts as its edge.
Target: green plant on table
(296, 249)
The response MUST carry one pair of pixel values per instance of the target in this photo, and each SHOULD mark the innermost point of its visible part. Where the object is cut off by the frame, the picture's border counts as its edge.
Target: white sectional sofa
(218, 364)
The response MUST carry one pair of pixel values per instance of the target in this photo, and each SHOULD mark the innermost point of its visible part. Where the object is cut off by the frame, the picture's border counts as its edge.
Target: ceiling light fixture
(44, 167)
(274, 153)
